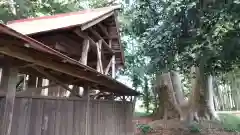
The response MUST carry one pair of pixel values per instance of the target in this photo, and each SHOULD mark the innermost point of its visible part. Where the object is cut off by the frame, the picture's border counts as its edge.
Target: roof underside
(64, 22)
(14, 44)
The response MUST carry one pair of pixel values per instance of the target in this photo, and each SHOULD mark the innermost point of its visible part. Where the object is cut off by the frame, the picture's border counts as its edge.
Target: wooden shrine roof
(83, 19)
(22, 47)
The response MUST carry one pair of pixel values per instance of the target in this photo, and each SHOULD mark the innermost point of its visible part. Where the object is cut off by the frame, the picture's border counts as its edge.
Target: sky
(127, 81)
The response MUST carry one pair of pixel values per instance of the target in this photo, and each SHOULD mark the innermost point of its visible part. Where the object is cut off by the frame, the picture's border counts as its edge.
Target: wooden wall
(35, 116)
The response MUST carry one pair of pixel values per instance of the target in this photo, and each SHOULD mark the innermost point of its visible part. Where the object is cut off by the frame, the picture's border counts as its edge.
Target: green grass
(231, 123)
(141, 114)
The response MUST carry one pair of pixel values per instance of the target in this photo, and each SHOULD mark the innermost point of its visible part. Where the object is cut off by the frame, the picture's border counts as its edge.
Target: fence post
(9, 85)
(87, 110)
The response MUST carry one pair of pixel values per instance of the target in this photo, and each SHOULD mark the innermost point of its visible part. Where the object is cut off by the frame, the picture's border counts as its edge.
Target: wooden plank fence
(37, 116)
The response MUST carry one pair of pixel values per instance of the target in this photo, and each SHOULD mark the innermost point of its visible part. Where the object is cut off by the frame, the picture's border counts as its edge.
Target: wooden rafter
(100, 38)
(85, 36)
(99, 58)
(32, 56)
(103, 29)
(92, 42)
(108, 66)
(49, 76)
(43, 61)
(85, 51)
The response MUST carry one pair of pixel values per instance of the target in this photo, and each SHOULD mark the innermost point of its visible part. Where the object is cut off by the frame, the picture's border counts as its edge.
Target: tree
(177, 35)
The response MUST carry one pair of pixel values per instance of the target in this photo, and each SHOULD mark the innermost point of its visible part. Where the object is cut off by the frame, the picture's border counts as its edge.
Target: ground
(230, 124)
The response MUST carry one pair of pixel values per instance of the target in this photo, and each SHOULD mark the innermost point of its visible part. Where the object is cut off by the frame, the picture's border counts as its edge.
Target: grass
(231, 123)
(141, 114)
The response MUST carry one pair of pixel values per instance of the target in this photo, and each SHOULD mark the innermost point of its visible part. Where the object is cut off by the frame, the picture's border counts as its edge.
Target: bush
(144, 128)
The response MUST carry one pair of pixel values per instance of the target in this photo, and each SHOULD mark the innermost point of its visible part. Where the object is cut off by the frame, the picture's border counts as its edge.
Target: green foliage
(144, 128)
(179, 34)
(141, 114)
(194, 128)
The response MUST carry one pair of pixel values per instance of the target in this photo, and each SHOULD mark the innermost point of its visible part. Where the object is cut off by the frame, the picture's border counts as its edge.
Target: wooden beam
(24, 66)
(34, 89)
(100, 38)
(103, 29)
(85, 36)
(99, 58)
(85, 51)
(108, 66)
(43, 61)
(71, 68)
(49, 76)
(110, 43)
(113, 67)
(28, 92)
(95, 21)
(10, 86)
(92, 42)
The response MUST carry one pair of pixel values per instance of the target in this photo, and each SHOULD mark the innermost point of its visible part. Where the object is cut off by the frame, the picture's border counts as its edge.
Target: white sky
(127, 81)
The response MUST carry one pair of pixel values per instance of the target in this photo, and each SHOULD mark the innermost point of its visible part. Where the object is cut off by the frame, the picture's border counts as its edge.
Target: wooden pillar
(75, 91)
(99, 56)
(113, 67)
(134, 102)
(9, 84)
(39, 84)
(53, 91)
(32, 82)
(85, 50)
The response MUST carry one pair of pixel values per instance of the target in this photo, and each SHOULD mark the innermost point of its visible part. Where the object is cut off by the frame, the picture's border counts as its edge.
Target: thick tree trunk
(200, 104)
(170, 96)
(209, 98)
(204, 105)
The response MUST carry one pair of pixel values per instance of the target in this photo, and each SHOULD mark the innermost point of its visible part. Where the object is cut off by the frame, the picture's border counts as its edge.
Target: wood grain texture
(34, 116)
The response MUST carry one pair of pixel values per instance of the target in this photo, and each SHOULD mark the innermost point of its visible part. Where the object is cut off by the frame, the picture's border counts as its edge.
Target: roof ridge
(63, 14)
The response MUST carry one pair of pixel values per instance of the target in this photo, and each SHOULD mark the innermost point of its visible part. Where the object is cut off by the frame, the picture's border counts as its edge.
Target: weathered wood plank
(2, 103)
(51, 107)
(85, 50)
(108, 66)
(63, 125)
(99, 58)
(103, 29)
(113, 67)
(16, 115)
(58, 117)
(36, 117)
(69, 116)
(10, 86)
(24, 114)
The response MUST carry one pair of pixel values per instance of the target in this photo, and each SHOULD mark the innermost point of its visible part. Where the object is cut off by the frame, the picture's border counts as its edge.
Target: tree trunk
(200, 103)
(169, 95)
(206, 102)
